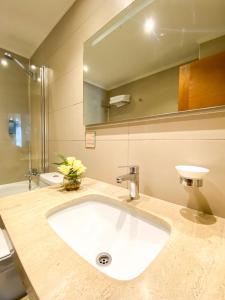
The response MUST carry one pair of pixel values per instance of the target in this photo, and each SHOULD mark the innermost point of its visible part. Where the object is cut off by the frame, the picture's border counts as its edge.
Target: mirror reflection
(156, 57)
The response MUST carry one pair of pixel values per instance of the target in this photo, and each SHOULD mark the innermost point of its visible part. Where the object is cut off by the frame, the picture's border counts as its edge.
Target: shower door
(23, 122)
(14, 120)
(39, 120)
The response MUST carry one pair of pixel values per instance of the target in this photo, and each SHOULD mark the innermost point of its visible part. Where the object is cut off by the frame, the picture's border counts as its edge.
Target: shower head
(11, 57)
(8, 55)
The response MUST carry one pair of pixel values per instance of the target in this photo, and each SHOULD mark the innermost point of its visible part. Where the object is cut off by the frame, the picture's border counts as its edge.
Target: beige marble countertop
(190, 266)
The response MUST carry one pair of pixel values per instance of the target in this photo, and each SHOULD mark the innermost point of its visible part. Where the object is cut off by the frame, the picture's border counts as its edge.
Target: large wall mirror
(156, 57)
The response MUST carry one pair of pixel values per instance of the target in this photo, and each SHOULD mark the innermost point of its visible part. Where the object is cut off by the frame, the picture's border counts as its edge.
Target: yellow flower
(64, 169)
(76, 164)
(70, 160)
(81, 170)
(78, 167)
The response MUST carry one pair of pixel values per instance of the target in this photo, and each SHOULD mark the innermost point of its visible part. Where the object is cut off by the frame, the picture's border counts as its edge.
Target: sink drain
(103, 259)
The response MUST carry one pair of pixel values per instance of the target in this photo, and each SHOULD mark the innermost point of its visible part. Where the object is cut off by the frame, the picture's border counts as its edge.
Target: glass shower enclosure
(23, 122)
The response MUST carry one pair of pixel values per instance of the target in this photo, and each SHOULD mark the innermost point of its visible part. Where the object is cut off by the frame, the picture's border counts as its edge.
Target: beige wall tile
(201, 127)
(67, 90)
(158, 177)
(102, 163)
(68, 148)
(40, 57)
(67, 123)
(156, 146)
(112, 133)
(106, 11)
(67, 57)
(72, 21)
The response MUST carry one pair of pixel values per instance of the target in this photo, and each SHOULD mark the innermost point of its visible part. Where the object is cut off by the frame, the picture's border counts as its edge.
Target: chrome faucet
(30, 174)
(133, 178)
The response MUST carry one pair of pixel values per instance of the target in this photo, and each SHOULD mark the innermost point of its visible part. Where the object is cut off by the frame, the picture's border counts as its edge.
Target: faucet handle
(134, 169)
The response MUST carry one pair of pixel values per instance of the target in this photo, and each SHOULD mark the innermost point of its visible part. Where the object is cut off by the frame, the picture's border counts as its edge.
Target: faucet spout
(122, 178)
(133, 178)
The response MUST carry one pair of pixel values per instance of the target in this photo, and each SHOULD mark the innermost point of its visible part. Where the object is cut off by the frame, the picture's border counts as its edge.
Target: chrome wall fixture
(44, 120)
(191, 176)
(191, 182)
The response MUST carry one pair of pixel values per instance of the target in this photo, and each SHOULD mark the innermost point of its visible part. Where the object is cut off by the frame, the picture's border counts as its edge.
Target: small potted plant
(73, 171)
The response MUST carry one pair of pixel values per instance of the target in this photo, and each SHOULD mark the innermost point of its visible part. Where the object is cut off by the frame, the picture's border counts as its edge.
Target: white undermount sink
(94, 226)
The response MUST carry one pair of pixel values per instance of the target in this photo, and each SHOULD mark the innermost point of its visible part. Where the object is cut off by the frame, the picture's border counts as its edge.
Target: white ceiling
(24, 24)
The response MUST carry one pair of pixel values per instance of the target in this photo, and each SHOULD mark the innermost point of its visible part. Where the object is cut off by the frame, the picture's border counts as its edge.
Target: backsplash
(156, 146)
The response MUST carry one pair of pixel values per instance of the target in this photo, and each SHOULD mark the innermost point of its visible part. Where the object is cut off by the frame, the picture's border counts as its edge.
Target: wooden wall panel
(202, 83)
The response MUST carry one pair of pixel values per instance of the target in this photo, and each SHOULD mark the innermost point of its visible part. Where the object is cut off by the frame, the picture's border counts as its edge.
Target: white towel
(119, 100)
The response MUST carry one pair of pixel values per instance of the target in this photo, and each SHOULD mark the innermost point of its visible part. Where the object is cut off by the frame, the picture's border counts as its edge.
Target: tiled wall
(155, 146)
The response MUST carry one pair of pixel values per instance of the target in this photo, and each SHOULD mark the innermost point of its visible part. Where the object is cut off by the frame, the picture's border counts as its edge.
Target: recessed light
(33, 67)
(39, 79)
(85, 68)
(4, 62)
(149, 25)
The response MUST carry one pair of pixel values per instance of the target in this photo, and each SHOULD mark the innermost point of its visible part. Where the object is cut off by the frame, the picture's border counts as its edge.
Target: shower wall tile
(13, 103)
(14, 162)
